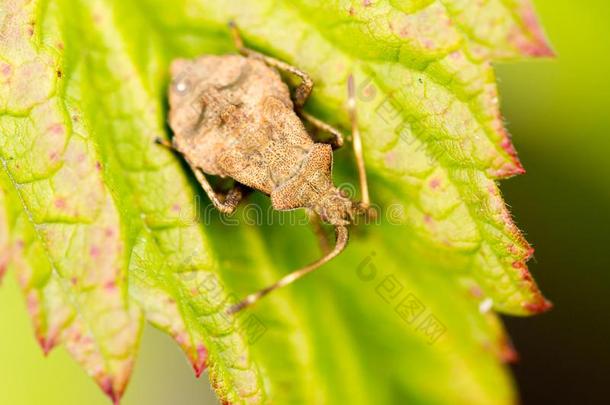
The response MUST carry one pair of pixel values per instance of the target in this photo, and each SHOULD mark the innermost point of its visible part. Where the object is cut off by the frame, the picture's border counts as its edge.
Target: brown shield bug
(233, 116)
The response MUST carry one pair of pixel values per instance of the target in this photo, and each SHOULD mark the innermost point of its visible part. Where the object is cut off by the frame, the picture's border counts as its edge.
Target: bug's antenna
(357, 141)
(342, 237)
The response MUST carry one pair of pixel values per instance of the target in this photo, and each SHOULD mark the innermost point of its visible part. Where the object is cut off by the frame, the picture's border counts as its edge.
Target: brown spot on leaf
(476, 291)
(54, 156)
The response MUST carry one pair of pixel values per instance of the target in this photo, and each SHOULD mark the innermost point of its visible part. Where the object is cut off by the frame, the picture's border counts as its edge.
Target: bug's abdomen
(269, 152)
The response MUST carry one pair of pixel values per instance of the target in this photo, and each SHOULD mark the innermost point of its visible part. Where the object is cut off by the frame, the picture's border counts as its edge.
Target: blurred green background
(559, 116)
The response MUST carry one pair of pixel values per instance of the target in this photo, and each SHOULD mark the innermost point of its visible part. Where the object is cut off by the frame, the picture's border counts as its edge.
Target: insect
(233, 116)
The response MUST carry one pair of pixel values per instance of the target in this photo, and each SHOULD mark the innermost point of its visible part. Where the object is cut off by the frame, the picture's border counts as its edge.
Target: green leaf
(105, 229)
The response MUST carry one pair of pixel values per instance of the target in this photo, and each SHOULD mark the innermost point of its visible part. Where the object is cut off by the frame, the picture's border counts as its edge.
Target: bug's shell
(232, 116)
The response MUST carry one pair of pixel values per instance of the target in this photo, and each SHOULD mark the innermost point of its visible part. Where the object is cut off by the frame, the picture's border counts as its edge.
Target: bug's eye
(181, 85)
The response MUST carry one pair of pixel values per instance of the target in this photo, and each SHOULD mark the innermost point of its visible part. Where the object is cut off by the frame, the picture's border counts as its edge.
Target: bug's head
(337, 208)
(183, 81)
(334, 208)
(181, 92)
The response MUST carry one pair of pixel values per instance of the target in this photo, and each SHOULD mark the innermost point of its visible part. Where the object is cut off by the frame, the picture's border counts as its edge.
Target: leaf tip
(4, 262)
(513, 166)
(107, 386)
(508, 353)
(538, 306)
(538, 303)
(46, 344)
(538, 46)
(200, 361)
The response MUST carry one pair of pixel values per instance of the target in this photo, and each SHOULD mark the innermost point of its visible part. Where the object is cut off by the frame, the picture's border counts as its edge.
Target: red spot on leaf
(94, 251)
(515, 168)
(57, 129)
(176, 207)
(109, 232)
(476, 291)
(32, 304)
(6, 69)
(180, 339)
(110, 286)
(434, 183)
(60, 203)
(428, 219)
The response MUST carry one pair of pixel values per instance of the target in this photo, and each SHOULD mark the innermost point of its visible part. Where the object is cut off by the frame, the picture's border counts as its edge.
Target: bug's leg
(166, 143)
(357, 142)
(316, 224)
(342, 237)
(302, 92)
(224, 203)
(337, 140)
